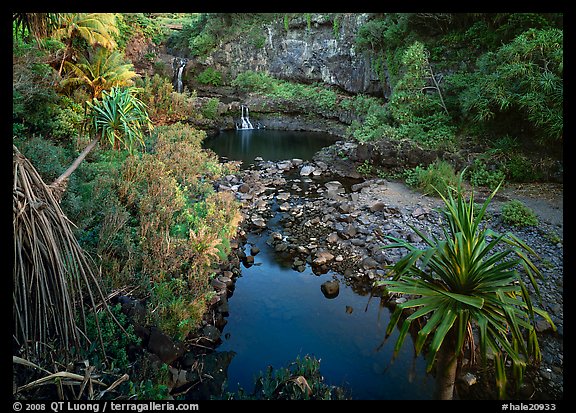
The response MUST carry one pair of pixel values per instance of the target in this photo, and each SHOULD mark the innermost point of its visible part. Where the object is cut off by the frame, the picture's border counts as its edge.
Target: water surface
(270, 145)
(277, 314)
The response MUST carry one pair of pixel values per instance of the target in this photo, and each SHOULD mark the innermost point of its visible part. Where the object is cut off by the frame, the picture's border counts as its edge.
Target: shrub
(202, 44)
(115, 342)
(210, 108)
(210, 76)
(438, 176)
(522, 169)
(249, 81)
(365, 168)
(516, 213)
(479, 175)
(181, 240)
(68, 120)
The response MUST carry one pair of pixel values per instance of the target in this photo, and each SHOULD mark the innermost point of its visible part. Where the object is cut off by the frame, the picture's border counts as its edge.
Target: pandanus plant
(118, 118)
(51, 273)
(472, 278)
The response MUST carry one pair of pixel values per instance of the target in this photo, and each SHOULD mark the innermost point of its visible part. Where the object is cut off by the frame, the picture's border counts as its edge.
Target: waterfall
(244, 119)
(178, 65)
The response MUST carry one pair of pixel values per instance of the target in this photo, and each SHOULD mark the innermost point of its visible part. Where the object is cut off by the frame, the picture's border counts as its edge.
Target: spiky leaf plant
(468, 279)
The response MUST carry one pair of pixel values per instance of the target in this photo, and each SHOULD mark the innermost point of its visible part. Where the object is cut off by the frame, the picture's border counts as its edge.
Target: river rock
(420, 212)
(322, 257)
(330, 289)
(259, 222)
(377, 206)
(211, 333)
(349, 232)
(332, 238)
(306, 170)
(285, 165)
(283, 196)
(163, 346)
(226, 280)
(218, 284)
(335, 186)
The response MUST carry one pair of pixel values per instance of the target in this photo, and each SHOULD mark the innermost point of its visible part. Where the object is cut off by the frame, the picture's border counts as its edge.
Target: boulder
(330, 289)
(306, 170)
(163, 346)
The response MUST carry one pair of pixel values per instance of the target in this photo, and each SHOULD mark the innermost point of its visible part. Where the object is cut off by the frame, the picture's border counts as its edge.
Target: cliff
(318, 50)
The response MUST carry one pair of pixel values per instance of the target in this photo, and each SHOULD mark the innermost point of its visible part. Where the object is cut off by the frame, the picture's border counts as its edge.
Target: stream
(277, 313)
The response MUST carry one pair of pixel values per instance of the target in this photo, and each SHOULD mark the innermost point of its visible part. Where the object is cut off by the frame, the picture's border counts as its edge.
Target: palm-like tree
(119, 118)
(467, 280)
(39, 25)
(51, 272)
(94, 28)
(53, 279)
(101, 70)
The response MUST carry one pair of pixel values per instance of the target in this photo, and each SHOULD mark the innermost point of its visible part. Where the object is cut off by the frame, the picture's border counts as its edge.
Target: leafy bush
(438, 176)
(316, 97)
(479, 175)
(210, 108)
(115, 341)
(68, 121)
(49, 159)
(178, 312)
(249, 81)
(179, 242)
(516, 213)
(202, 45)
(164, 104)
(524, 76)
(210, 76)
(522, 169)
(365, 168)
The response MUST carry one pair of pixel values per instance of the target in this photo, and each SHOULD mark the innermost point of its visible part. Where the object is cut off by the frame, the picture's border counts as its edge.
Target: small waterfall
(244, 119)
(178, 65)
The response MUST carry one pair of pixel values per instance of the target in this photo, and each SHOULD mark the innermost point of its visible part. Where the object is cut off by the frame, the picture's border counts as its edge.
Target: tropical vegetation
(113, 192)
(102, 165)
(472, 279)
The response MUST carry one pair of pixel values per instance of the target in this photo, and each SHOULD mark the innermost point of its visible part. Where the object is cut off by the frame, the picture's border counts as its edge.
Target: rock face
(322, 51)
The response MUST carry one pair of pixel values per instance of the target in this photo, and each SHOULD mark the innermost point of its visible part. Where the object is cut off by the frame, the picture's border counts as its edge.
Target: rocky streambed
(333, 220)
(321, 214)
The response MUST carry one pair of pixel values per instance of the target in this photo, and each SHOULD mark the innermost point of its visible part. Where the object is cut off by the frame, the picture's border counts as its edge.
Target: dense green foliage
(210, 77)
(439, 177)
(496, 71)
(165, 255)
(457, 80)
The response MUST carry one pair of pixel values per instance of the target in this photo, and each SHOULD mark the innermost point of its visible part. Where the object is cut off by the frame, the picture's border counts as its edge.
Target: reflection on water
(270, 145)
(277, 314)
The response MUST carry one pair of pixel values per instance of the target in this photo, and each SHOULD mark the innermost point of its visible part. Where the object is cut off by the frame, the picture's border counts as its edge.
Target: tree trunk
(68, 47)
(446, 367)
(59, 185)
